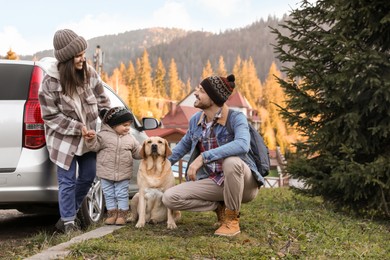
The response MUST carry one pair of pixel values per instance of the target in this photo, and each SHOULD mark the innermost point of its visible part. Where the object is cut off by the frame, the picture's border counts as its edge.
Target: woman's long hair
(70, 77)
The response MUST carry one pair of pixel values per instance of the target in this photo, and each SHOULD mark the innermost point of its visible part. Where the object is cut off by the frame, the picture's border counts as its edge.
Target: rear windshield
(14, 81)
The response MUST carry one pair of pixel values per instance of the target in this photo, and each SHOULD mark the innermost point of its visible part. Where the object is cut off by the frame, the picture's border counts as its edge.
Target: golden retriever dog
(154, 177)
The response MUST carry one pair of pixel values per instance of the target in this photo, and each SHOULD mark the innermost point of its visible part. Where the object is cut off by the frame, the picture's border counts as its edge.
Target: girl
(116, 148)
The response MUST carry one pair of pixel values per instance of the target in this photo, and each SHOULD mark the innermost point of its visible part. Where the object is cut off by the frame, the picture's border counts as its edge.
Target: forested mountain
(123, 47)
(191, 50)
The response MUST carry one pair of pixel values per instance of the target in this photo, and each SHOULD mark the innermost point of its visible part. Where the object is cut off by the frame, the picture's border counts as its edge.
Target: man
(219, 176)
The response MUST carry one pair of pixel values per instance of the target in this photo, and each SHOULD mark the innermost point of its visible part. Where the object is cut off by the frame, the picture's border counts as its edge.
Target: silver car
(28, 179)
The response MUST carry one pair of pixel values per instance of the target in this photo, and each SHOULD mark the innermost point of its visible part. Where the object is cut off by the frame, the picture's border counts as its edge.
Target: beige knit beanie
(67, 44)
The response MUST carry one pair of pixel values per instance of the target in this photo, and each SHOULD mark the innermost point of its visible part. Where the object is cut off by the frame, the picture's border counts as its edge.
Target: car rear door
(14, 86)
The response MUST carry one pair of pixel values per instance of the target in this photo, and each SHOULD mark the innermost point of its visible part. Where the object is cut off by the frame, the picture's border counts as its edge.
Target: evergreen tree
(254, 85)
(130, 74)
(187, 87)
(175, 86)
(221, 70)
(243, 81)
(275, 96)
(338, 88)
(237, 71)
(133, 90)
(159, 79)
(207, 70)
(145, 76)
(136, 102)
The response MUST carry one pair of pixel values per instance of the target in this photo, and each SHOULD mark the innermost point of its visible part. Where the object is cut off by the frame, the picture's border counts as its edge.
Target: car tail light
(33, 130)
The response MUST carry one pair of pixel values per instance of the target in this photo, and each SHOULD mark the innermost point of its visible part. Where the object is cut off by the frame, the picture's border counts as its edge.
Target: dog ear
(168, 150)
(142, 152)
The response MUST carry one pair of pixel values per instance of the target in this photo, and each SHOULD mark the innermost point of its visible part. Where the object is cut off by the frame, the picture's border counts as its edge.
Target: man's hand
(194, 167)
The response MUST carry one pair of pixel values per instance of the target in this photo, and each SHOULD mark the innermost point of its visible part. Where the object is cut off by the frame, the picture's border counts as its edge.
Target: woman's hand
(88, 134)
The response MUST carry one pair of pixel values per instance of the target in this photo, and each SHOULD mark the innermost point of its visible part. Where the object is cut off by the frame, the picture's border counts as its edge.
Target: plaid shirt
(209, 141)
(63, 127)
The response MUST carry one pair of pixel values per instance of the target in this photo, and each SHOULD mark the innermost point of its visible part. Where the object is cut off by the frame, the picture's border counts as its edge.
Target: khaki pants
(239, 187)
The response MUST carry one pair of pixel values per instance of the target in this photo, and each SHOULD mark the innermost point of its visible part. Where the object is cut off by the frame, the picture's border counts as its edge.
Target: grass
(277, 224)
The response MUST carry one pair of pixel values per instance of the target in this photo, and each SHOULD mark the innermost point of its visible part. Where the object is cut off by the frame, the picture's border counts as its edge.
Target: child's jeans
(116, 194)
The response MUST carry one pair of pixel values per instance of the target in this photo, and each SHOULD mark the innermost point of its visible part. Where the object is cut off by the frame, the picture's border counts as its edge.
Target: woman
(71, 97)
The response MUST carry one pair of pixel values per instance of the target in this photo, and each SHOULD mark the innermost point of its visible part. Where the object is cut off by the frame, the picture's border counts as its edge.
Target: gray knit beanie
(67, 44)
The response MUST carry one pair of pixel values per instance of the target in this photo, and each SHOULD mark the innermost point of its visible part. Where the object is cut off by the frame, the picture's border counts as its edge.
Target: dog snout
(154, 148)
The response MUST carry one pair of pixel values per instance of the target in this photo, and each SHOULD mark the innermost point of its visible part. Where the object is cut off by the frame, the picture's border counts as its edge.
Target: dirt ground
(16, 225)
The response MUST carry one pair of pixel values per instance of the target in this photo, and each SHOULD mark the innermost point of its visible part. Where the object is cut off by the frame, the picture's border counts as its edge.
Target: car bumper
(33, 181)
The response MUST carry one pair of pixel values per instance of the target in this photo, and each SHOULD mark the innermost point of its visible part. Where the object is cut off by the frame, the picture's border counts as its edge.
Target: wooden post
(180, 171)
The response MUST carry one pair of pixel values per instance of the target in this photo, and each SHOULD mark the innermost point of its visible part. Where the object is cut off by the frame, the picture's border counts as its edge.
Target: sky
(28, 26)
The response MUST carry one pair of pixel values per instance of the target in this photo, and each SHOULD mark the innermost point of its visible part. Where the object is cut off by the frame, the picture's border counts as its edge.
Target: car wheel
(92, 208)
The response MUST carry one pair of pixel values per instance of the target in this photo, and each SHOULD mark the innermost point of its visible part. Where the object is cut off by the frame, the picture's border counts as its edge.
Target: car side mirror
(149, 123)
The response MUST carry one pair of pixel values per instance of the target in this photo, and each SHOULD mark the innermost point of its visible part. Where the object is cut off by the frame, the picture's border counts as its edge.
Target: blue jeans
(73, 188)
(116, 194)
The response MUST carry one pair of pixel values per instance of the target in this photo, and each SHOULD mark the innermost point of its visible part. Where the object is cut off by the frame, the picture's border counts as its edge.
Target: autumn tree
(221, 70)
(254, 85)
(338, 88)
(159, 79)
(237, 71)
(144, 73)
(175, 85)
(207, 70)
(273, 97)
(11, 55)
(133, 90)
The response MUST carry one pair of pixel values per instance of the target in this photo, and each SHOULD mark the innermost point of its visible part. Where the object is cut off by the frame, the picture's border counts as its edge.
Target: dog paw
(131, 219)
(171, 226)
(140, 225)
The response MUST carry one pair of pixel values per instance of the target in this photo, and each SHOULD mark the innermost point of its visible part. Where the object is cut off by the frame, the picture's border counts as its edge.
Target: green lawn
(277, 224)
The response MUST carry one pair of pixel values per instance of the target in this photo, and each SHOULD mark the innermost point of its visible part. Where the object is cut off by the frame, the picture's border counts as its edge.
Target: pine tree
(338, 90)
(207, 70)
(237, 71)
(175, 86)
(254, 85)
(187, 88)
(221, 70)
(130, 74)
(134, 91)
(145, 76)
(159, 79)
(243, 81)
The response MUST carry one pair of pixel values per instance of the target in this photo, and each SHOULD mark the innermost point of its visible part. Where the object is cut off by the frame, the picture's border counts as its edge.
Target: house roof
(237, 100)
(178, 116)
(163, 132)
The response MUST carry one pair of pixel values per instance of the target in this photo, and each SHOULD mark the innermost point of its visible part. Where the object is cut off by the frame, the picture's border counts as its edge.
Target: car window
(116, 100)
(15, 81)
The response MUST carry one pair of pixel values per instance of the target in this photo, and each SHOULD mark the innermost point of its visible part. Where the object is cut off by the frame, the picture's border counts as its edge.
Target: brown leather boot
(122, 217)
(111, 217)
(220, 211)
(231, 226)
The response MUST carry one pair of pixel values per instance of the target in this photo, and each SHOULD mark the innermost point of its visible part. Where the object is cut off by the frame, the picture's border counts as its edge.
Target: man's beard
(201, 105)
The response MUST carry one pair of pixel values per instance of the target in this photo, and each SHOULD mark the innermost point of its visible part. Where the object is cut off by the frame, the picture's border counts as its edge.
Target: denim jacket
(236, 144)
